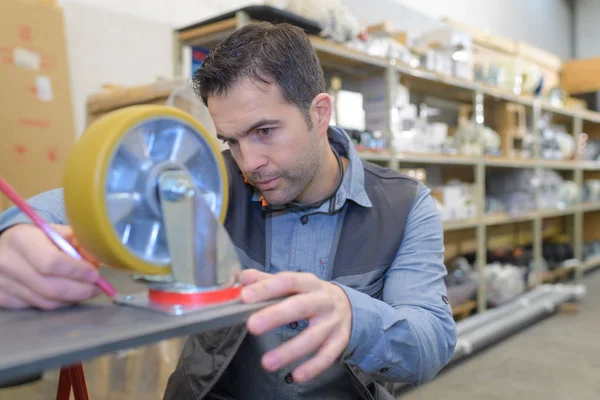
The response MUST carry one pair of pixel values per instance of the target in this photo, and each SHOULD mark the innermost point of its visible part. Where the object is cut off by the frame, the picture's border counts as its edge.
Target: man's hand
(35, 273)
(323, 304)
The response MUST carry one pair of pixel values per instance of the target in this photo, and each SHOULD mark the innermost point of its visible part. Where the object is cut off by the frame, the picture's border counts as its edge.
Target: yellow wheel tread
(85, 177)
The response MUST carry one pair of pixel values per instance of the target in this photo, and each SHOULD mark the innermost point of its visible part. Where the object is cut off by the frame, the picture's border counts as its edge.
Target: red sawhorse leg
(72, 376)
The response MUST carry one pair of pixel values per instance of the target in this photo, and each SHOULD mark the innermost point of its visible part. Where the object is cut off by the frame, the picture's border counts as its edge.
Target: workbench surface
(32, 341)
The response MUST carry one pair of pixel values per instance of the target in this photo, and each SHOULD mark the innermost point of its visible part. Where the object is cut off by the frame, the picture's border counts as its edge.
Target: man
(358, 248)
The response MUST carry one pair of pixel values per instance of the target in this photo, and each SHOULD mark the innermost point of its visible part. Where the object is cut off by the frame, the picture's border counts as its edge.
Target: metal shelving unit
(339, 59)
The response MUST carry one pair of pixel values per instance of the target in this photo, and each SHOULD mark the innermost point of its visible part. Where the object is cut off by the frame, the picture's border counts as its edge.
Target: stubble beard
(295, 182)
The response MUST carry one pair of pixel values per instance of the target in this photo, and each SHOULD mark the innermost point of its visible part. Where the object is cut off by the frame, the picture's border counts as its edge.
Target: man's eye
(230, 142)
(264, 131)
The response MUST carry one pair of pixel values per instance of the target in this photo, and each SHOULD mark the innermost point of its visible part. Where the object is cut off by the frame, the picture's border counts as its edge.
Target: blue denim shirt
(407, 337)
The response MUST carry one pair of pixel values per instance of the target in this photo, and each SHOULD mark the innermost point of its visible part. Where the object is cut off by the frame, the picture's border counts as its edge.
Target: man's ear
(321, 109)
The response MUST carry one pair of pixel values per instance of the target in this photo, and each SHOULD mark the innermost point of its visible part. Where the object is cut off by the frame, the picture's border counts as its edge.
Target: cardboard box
(35, 102)
(581, 75)
(175, 93)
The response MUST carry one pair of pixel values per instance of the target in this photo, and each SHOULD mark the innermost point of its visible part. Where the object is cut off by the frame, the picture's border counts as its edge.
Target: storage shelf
(455, 225)
(375, 155)
(589, 165)
(459, 159)
(333, 56)
(346, 59)
(438, 159)
(507, 162)
(589, 207)
(505, 218)
(590, 263)
(551, 213)
(354, 63)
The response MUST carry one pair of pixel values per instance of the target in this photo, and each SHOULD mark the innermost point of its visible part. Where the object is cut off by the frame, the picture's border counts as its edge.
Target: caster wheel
(110, 183)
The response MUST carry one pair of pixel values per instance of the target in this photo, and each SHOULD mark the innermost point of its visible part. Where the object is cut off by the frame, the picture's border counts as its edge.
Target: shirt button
(304, 219)
(288, 378)
(293, 325)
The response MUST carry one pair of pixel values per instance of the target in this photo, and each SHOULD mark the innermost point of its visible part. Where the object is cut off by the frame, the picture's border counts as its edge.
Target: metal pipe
(483, 329)
(483, 318)
(539, 307)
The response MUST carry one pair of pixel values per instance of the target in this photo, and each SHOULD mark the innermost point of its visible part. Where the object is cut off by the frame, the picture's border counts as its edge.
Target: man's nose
(251, 159)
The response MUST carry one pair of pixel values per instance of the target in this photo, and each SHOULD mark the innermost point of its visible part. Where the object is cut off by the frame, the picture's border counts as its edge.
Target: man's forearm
(406, 344)
(49, 205)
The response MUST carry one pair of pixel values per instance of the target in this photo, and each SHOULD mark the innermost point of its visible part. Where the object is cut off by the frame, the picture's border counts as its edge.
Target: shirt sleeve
(409, 335)
(49, 205)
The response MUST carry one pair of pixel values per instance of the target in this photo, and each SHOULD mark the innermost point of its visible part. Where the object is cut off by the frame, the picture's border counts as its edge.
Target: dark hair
(280, 54)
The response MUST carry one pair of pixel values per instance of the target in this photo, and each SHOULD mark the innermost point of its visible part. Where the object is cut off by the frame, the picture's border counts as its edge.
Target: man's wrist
(363, 325)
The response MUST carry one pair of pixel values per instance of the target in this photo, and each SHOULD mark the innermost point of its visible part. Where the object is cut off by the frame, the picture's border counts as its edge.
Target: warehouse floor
(555, 359)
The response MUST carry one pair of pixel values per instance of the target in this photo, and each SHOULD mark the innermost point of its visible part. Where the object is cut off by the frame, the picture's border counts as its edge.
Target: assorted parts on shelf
(520, 256)
(511, 192)
(557, 255)
(514, 66)
(337, 22)
(591, 191)
(511, 75)
(555, 141)
(375, 103)
(420, 174)
(351, 111)
(447, 51)
(382, 40)
(589, 148)
(455, 200)
(473, 139)
(504, 282)
(461, 282)
(413, 133)
(371, 141)
(591, 250)
(514, 191)
(348, 109)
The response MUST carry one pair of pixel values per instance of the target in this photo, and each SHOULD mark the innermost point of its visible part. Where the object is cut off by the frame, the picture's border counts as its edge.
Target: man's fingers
(66, 290)
(26, 295)
(325, 357)
(305, 343)
(295, 308)
(11, 302)
(63, 230)
(47, 285)
(279, 285)
(39, 252)
(58, 264)
(250, 276)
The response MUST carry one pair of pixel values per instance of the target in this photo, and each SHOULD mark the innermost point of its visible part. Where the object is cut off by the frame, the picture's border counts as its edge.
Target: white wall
(543, 23)
(587, 30)
(106, 47)
(171, 12)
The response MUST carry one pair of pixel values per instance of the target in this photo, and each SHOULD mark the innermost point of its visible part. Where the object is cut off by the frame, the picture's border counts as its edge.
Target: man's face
(269, 139)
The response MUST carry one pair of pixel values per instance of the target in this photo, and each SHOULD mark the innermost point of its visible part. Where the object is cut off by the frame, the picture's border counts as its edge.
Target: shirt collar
(353, 183)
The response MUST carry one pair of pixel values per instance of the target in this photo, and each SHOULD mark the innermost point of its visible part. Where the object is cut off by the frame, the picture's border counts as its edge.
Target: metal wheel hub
(144, 153)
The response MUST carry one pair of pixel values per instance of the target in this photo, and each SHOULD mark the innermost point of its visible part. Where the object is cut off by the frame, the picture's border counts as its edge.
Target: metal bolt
(176, 188)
